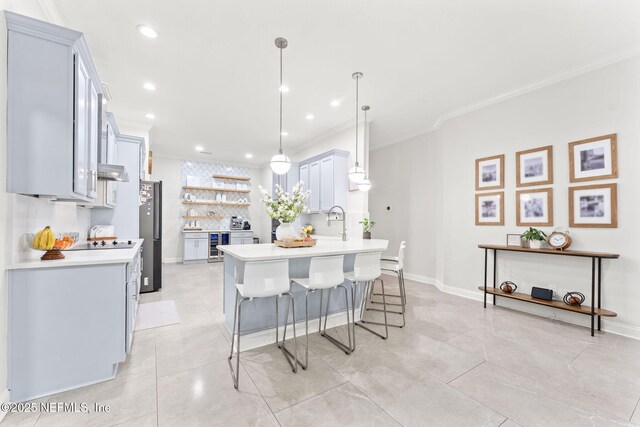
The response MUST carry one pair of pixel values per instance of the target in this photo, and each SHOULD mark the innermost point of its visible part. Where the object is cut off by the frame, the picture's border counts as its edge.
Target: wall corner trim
(4, 398)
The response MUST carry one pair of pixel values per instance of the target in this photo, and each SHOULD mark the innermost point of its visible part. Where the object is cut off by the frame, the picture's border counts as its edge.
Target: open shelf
(202, 217)
(555, 304)
(216, 203)
(236, 178)
(230, 190)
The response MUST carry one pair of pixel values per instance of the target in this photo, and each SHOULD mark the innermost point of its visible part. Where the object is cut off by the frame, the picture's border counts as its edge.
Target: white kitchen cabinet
(326, 176)
(314, 186)
(53, 105)
(196, 247)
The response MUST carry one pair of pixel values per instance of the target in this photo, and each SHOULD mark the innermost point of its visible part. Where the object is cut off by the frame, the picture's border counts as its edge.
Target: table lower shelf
(555, 304)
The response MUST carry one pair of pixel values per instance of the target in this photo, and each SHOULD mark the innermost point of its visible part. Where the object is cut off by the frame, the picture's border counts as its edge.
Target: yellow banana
(44, 239)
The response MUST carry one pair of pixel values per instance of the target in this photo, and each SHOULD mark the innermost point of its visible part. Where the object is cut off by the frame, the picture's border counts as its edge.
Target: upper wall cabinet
(326, 176)
(54, 110)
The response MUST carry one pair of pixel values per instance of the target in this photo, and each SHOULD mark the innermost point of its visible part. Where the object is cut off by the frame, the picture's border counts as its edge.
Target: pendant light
(365, 184)
(280, 163)
(356, 173)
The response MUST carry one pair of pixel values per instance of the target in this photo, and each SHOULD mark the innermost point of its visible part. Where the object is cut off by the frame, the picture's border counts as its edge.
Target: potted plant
(534, 237)
(286, 208)
(367, 224)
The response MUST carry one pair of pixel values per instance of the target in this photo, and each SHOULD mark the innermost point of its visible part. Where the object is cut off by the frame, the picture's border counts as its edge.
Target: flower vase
(285, 229)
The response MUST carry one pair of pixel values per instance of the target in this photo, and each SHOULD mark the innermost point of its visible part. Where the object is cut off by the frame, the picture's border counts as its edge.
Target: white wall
(603, 101)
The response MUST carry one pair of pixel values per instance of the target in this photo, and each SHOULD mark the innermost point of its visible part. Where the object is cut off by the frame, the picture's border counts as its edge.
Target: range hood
(112, 173)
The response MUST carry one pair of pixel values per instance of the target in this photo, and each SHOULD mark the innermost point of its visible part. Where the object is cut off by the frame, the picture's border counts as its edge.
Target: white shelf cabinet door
(93, 139)
(190, 250)
(304, 177)
(80, 141)
(326, 184)
(202, 249)
(314, 186)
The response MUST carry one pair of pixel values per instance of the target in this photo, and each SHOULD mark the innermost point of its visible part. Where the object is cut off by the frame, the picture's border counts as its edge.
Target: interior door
(326, 183)
(314, 186)
(81, 118)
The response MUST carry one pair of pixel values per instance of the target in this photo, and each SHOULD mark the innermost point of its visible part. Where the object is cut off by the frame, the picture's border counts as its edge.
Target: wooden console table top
(566, 252)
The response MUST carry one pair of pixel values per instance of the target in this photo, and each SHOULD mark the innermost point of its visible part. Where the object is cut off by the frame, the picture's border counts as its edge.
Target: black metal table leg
(593, 293)
(485, 278)
(495, 258)
(599, 290)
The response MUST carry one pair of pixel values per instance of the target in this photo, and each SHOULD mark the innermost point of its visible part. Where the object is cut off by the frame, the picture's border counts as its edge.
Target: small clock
(559, 240)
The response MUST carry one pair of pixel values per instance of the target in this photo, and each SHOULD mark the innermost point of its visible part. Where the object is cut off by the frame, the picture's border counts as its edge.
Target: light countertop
(76, 258)
(324, 247)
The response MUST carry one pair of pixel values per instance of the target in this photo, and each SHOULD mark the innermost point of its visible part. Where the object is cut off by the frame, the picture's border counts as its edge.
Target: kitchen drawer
(241, 234)
(204, 235)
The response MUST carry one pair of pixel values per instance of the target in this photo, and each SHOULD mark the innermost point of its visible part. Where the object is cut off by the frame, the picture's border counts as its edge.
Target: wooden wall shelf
(216, 203)
(595, 310)
(229, 190)
(236, 178)
(202, 217)
(554, 303)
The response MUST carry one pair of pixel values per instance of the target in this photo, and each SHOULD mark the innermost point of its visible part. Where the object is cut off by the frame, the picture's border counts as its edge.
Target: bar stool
(263, 279)
(366, 271)
(394, 265)
(324, 273)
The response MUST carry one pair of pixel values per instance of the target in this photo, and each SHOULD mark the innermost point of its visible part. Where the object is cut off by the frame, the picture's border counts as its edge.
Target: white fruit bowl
(55, 252)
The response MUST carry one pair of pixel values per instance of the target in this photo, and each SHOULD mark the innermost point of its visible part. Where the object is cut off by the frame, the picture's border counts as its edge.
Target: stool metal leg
(402, 297)
(384, 305)
(346, 348)
(285, 351)
(236, 318)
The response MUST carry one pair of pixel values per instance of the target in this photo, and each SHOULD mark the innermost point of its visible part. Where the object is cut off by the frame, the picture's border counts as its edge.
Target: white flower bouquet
(285, 207)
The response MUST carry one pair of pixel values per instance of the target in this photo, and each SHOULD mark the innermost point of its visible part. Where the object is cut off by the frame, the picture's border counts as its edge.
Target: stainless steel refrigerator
(151, 232)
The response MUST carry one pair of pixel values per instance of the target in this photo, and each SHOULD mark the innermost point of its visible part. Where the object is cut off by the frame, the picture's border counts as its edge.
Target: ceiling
(215, 64)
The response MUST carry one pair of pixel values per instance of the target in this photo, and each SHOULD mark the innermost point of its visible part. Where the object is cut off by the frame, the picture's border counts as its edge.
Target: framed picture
(534, 207)
(593, 206)
(534, 167)
(594, 158)
(490, 173)
(514, 240)
(490, 208)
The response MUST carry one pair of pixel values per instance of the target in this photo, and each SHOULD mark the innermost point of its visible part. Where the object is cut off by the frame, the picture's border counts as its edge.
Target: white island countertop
(76, 258)
(324, 247)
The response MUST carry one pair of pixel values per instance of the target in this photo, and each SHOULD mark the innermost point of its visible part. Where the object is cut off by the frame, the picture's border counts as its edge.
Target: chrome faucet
(344, 221)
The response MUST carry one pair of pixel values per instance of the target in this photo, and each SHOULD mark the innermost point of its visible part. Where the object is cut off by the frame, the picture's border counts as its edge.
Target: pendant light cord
(357, 103)
(280, 89)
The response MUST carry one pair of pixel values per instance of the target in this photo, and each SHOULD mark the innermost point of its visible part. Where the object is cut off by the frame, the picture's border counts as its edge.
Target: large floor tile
(409, 395)
(341, 406)
(204, 396)
(526, 401)
(276, 381)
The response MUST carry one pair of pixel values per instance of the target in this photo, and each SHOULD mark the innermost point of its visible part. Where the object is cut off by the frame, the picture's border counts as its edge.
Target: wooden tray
(295, 244)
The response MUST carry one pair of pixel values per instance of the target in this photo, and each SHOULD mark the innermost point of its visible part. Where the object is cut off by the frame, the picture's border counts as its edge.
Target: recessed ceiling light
(309, 117)
(284, 133)
(150, 116)
(149, 86)
(335, 103)
(199, 148)
(249, 156)
(147, 31)
(284, 88)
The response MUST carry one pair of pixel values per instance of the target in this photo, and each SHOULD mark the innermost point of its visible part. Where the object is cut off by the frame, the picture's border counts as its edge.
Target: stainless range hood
(112, 173)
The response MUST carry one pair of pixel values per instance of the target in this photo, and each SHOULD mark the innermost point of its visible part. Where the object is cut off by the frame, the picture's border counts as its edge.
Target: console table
(596, 277)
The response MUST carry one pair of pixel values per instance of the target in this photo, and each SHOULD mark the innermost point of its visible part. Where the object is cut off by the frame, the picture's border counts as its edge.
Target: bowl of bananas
(52, 243)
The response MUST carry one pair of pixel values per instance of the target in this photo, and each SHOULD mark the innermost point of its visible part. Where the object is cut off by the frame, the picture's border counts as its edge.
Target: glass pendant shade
(357, 174)
(280, 164)
(364, 185)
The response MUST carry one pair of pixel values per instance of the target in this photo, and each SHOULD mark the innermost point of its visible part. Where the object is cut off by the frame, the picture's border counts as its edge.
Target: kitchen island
(259, 315)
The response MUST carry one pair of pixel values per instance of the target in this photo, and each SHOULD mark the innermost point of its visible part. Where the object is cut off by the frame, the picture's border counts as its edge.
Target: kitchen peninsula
(259, 315)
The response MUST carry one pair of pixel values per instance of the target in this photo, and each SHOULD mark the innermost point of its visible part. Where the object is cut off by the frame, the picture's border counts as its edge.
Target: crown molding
(584, 68)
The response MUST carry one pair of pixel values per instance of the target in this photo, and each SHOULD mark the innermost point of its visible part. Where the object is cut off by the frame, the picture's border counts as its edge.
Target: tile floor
(454, 364)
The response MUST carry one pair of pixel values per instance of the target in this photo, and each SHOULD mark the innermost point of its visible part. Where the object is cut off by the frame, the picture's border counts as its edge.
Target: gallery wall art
(594, 158)
(490, 173)
(534, 167)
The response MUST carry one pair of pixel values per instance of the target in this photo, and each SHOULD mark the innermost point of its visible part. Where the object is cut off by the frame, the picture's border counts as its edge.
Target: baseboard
(4, 398)
(266, 337)
(171, 260)
(613, 327)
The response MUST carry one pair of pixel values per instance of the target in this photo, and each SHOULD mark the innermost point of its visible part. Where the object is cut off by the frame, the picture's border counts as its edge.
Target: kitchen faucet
(344, 222)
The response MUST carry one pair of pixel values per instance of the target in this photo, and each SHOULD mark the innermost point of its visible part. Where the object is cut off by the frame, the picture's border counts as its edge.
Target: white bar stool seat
(263, 279)
(366, 271)
(324, 273)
